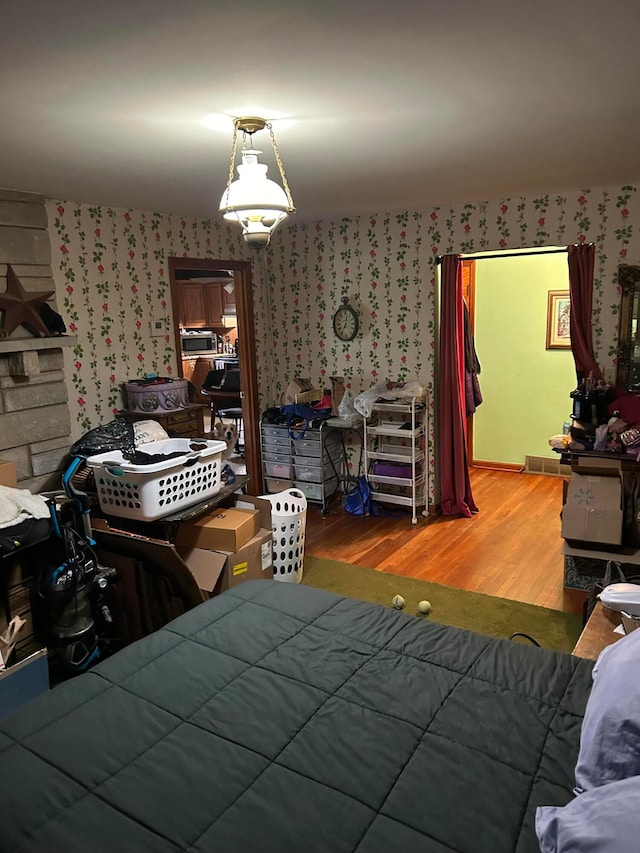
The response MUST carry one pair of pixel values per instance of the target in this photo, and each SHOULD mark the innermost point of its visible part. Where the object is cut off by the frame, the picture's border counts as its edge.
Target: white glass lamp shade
(254, 201)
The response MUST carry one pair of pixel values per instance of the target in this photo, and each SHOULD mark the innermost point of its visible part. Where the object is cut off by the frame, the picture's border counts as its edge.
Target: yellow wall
(525, 386)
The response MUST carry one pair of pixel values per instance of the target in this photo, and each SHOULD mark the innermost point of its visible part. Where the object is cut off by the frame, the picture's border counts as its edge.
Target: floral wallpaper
(110, 267)
(386, 265)
(112, 281)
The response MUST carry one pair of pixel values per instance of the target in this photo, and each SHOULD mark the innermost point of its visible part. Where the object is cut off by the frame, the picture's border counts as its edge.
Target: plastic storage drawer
(276, 442)
(308, 469)
(307, 447)
(283, 458)
(275, 485)
(314, 491)
(273, 431)
(282, 470)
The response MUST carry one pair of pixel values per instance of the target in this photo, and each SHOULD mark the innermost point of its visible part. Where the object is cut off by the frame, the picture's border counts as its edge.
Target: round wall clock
(345, 321)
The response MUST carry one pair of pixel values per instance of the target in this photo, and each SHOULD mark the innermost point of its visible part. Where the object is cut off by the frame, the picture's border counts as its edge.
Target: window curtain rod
(507, 255)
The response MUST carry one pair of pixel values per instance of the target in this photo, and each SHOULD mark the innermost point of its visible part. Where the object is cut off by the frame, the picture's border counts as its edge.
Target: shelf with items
(313, 462)
(395, 457)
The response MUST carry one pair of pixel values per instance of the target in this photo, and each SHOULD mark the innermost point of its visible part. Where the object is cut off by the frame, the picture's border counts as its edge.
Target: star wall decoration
(20, 307)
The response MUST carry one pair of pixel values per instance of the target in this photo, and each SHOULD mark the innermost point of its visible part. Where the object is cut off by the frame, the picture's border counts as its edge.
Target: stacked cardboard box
(229, 545)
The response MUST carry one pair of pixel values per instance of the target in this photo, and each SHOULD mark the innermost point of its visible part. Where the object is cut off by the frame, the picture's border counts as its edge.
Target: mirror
(628, 369)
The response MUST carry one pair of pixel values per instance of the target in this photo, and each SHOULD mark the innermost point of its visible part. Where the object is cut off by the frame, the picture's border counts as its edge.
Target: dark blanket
(279, 718)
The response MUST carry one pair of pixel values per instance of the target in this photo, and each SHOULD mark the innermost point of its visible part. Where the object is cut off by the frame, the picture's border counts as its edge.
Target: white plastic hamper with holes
(288, 520)
(147, 492)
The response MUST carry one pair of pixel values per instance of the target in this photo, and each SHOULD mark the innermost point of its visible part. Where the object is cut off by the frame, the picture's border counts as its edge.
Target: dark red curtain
(455, 488)
(581, 266)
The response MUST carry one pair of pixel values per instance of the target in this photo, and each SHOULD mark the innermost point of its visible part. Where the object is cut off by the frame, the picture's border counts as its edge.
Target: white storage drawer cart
(313, 462)
(395, 454)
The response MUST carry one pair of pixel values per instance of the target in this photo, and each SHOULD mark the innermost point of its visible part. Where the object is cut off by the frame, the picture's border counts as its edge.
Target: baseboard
(497, 466)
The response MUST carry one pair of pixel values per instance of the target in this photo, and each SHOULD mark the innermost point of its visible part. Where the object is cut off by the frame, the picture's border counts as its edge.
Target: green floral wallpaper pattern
(386, 264)
(112, 280)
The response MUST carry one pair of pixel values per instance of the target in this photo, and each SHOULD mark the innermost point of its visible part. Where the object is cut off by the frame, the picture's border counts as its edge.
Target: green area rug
(486, 614)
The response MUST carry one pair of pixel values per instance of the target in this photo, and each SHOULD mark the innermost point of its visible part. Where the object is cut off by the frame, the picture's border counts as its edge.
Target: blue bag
(359, 500)
(299, 412)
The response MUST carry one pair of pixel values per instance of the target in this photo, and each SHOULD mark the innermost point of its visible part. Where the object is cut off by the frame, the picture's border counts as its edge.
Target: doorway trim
(243, 289)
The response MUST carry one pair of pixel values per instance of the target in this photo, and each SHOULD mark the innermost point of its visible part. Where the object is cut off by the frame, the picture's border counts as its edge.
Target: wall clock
(345, 321)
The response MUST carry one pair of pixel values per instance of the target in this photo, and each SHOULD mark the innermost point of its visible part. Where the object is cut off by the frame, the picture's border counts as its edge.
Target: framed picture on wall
(558, 313)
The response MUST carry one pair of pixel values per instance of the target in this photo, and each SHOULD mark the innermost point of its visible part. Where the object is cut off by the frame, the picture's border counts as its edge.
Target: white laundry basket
(288, 520)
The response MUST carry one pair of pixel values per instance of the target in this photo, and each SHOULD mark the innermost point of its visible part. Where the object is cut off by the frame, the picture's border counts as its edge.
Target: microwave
(200, 343)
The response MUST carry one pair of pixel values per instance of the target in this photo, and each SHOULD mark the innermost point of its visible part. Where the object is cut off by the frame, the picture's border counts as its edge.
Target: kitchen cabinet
(201, 304)
(195, 370)
(192, 308)
(228, 301)
(394, 452)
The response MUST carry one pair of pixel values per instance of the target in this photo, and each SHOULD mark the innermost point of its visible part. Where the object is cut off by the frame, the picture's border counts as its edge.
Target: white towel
(18, 505)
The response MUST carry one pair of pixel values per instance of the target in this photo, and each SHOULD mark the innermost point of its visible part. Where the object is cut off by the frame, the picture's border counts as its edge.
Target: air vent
(546, 465)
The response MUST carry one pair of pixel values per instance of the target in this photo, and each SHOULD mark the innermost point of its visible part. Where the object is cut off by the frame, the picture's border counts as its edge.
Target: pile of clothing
(619, 433)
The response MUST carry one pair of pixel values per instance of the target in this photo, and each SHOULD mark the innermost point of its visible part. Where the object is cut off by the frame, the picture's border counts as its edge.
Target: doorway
(525, 384)
(240, 271)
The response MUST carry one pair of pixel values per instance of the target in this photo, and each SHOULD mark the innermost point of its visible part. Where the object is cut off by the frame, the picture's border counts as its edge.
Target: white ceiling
(389, 105)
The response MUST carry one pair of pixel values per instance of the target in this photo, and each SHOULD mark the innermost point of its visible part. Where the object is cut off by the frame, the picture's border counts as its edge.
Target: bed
(277, 717)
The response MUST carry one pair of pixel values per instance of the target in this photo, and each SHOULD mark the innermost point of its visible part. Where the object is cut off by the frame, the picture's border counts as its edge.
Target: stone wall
(35, 423)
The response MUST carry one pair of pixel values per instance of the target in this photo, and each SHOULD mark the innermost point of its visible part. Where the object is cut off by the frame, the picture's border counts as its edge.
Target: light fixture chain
(281, 167)
(232, 162)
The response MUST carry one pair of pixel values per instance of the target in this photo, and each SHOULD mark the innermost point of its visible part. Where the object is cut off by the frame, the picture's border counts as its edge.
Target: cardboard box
(224, 529)
(251, 502)
(216, 571)
(300, 391)
(593, 509)
(8, 474)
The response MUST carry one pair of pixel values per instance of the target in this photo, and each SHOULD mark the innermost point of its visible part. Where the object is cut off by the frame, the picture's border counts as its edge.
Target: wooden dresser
(188, 423)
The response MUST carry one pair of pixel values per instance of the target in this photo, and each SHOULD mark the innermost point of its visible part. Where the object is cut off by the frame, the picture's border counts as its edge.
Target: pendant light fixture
(255, 202)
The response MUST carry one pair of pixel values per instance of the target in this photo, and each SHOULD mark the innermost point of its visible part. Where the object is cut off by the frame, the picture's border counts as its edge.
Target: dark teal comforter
(280, 718)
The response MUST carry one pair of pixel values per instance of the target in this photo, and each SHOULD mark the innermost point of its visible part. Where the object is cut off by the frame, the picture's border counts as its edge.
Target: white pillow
(146, 431)
(603, 820)
(610, 734)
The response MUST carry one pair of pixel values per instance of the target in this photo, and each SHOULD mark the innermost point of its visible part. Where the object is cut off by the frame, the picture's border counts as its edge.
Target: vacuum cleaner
(71, 589)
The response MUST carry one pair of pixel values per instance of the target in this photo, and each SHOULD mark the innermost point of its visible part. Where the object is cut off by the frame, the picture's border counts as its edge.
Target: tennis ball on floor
(425, 607)
(398, 602)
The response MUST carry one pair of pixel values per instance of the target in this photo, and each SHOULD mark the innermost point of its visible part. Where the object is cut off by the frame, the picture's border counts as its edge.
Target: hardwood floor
(510, 549)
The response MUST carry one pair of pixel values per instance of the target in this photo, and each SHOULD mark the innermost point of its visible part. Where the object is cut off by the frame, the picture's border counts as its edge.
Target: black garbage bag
(115, 435)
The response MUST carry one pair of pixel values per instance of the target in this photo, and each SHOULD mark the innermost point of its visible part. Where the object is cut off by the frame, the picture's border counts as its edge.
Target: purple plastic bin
(391, 469)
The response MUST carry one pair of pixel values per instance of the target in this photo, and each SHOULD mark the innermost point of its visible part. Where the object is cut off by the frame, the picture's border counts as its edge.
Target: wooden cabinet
(213, 304)
(188, 367)
(228, 301)
(196, 369)
(200, 304)
(193, 311)
(184, 423)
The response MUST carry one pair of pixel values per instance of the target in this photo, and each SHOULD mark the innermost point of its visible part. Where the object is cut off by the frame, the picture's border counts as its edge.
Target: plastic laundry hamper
(288, 521)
